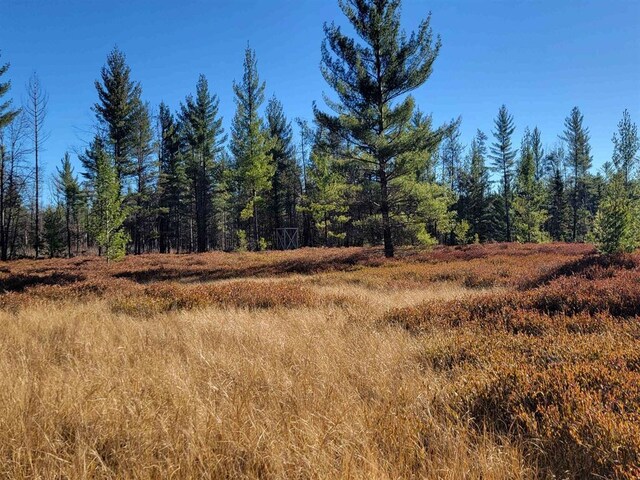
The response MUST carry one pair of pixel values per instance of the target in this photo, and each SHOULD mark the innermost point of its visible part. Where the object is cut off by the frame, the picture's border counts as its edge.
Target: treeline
(374, 170)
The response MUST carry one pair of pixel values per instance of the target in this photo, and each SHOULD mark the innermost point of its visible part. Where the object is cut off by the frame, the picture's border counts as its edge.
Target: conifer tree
(578, 159)
(503, 156)
(286, 179)
(626, 145)
(204, 136)
(119, 97)
(372, 78)
(477, 186)
(53, 230)
(107, 212)
(7, 115)
(141, 153)
(327, 198)
(528, 203)
(251, 147)
(617, 222)
(68, 189)
(172, 183)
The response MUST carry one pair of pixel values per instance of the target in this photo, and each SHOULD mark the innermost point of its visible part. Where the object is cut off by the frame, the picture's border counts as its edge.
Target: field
(495, 361)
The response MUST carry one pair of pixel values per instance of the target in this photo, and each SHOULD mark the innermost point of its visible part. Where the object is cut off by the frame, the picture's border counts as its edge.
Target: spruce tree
(119, 98)
(204, 136)
(578, 159)
(503, 156)
(372, 78)
(251, 147)
(53, 230)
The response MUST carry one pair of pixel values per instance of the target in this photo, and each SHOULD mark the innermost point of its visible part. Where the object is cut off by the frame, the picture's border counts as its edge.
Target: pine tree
(371, 79)
(327, 198)
(617, 223)
(286, 179)
(107, 212)
(503, 156)
(204, 136)
(477, 186)
(528, 202)
(578, 160)
(626, 145)
(68, 189)
(142, 149)
(557, 219)
(53, 230)
(251, 147)
(451, 158)
(7, 116)
(119, 97)
(172, 183)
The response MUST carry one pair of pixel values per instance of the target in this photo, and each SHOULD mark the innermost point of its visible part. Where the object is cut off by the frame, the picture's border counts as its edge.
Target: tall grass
(348, 367)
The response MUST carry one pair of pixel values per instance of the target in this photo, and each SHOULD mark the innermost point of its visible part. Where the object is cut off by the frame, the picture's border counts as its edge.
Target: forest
(371, 168)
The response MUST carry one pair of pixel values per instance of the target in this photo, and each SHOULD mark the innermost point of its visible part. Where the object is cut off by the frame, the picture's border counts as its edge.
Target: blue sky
(540, 58)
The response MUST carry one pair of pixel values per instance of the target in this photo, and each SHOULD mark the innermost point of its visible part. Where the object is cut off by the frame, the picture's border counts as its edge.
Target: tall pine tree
(503, 156)
(371, 78)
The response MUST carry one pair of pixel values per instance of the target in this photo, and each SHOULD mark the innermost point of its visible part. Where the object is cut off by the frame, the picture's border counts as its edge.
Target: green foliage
(327, 198)
(53, 230)
(242, 241)
(119, 100)
(528, 203)
(7, 114)
(503, 156)
(251, 145)
(107, 211)
(617, 222)
(371, 78)
(578, 162)
(626, 145)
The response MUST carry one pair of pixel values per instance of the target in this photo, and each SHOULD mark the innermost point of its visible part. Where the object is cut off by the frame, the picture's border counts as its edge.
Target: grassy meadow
(494, 362)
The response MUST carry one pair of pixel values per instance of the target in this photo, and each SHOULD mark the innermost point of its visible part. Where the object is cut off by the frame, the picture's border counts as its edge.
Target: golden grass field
(498, 361)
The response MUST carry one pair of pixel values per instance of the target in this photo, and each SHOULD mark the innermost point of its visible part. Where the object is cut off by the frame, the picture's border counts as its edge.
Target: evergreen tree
(286, 179)
(528, 202)
(172, 183)
(503, 156)
(68, 189)
(626, 145)
(451, 158)
(327, 198)
(53, 230)
(204, 136)
(251, 147)
(557, 219)
(477, 186)
(617, 224)
(7, 115)
(107, 212)
(578, 159)
(119, 98)
(368, 78)
(141, 152)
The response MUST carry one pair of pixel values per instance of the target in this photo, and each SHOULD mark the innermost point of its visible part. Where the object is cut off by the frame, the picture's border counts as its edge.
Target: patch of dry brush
(497, 361)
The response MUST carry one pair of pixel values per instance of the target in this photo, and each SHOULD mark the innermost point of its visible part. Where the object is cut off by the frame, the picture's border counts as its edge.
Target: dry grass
(322, 364)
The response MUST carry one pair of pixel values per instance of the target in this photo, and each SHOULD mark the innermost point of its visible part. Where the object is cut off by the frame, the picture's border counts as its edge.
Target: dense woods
(371, 169)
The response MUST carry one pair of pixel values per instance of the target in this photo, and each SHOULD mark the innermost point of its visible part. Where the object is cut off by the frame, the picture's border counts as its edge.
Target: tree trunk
(384, 210)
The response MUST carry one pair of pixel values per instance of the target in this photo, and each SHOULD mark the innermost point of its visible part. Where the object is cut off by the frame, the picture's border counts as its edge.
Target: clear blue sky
(540, 58)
